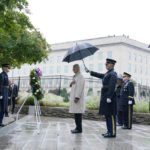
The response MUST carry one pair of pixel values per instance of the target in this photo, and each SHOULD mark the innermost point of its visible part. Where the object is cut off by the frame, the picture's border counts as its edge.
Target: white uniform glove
(130, 102)
(1, 97)
(108, 100)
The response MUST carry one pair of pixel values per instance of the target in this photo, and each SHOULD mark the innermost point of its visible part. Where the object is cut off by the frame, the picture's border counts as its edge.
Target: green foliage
(93, 102)
(20, 42)
(141, 106)
(64, 94)
(30, 100)
(90, 92)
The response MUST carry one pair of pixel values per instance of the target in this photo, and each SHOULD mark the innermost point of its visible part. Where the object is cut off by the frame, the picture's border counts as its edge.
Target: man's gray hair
(76, 65)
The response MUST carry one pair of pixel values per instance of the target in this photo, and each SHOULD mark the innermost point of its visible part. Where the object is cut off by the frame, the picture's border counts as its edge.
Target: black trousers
(78, 121)
(127, 116)
(13, 104)
(120, 117)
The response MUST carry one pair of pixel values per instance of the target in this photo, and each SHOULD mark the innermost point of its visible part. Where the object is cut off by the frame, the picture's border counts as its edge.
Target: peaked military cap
(110, 61)
(6, 65)
(126, 74)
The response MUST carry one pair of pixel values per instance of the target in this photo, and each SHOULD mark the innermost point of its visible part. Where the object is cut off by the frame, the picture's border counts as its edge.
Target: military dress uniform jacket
(127, 93)
(109, 81)
(4, 82)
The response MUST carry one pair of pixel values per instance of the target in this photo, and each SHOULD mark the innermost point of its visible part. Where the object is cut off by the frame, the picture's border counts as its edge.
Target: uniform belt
(6, 87)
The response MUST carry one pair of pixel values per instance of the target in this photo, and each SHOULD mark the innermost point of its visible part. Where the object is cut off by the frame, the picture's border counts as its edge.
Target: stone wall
(138, 118)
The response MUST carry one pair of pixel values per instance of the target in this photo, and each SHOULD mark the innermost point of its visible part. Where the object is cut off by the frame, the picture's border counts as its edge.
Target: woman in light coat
(77, 103)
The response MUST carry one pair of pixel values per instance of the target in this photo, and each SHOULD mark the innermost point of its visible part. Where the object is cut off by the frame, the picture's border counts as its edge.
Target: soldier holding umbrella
(108, 98)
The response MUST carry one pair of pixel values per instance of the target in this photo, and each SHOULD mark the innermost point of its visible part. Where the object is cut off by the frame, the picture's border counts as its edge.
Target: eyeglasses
(124, 76)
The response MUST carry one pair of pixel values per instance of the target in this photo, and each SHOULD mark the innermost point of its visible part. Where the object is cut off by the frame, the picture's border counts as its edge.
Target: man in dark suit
(108, 98)
(12, 96)
(119, 108)
(4, 86)
(127, 101)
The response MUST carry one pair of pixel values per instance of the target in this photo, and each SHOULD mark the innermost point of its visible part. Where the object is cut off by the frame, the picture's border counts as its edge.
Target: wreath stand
(37, 113)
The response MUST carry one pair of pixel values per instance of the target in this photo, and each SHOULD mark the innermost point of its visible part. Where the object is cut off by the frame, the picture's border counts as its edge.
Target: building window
(57, 81)
(44, 70)
(145, 60)
(66, 69)
(140, 58)
(100, 56)
(58, 69)
(51, 70)
(134, 57)
(140, 69)
(134, 68)
(91, 57)
(129, 67)
(51, 81)
(58, 59)
(65, 81)
(129, 56)
(100, 67)
(51, 60)
(91, 66)
(146, 71)
(109, 54)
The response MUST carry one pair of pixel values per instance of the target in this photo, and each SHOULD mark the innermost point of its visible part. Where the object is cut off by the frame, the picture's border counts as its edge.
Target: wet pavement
(55, 135)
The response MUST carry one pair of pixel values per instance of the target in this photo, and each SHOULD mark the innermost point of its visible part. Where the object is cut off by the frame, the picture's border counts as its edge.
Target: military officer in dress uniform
(4, 86)
(108, 98)
(119, 108)
(127, 101)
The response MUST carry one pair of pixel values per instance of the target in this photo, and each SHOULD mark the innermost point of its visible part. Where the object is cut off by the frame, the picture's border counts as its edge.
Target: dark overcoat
(109, 80)
(3, 91)
(118, 91)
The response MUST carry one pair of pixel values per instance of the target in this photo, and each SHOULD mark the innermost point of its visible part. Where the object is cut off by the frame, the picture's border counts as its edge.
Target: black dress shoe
(124, 127)
(6, 115)
(76, 131)
(2, 125)
(119, 124)
(109, 135)
(104, 133)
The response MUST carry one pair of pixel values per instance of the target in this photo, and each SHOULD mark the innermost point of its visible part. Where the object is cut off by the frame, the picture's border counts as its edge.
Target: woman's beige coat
(77, 91)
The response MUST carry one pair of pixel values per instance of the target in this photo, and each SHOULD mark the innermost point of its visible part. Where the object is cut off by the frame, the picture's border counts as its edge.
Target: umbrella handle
(83, 63)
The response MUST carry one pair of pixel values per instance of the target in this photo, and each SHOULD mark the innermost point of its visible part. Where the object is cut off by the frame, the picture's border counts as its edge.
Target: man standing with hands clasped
(127, 101)
(77, 103)
(108, 98)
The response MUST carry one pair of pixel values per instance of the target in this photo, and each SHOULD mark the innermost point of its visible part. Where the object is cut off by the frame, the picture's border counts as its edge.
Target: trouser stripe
(113, 125)
(129, 117)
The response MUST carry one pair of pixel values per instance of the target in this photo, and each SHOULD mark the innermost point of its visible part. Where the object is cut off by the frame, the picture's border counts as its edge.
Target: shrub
(92, 102)
(90, 92)
(64, 94)
(141, 106)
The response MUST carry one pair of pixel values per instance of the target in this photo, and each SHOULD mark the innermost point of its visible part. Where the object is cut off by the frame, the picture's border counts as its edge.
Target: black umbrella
(79, 51)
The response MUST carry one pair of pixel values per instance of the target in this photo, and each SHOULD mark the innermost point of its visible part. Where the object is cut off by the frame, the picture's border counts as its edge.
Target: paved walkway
(55, 135)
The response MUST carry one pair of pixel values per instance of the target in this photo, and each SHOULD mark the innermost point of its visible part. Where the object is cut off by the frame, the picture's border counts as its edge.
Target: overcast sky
(67, 20)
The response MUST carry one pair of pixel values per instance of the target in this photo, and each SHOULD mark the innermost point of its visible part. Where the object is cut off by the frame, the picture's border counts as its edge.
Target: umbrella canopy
(79, 51)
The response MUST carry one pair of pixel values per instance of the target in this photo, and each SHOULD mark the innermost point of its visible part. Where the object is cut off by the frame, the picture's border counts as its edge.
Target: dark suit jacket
(13, 91)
